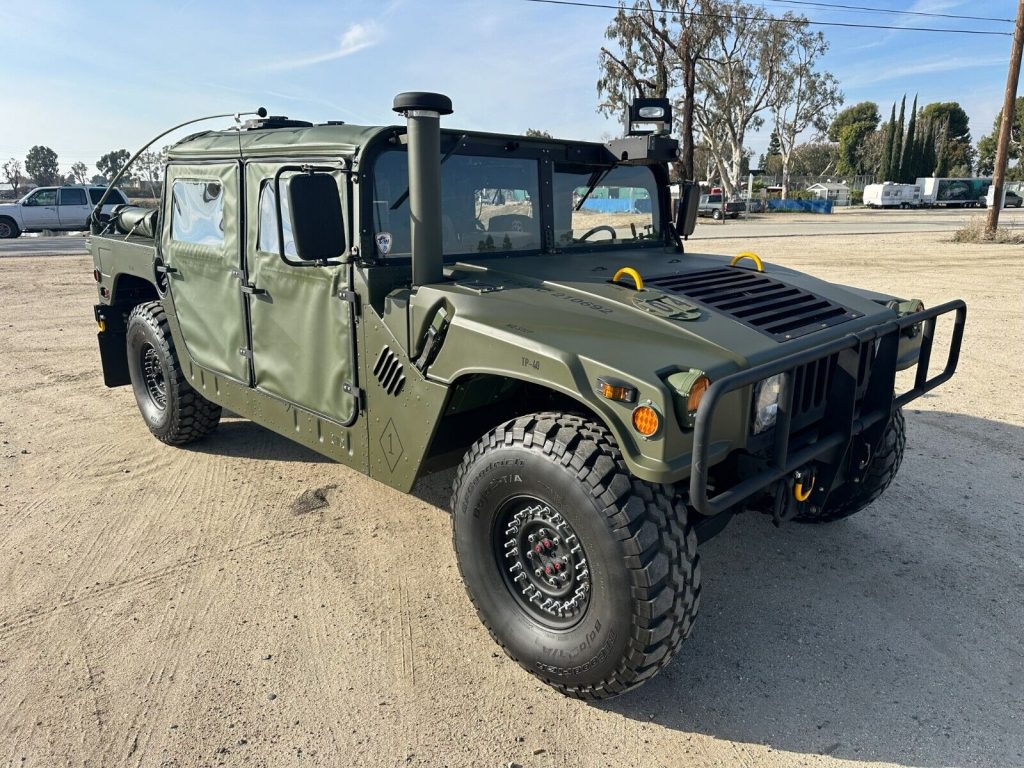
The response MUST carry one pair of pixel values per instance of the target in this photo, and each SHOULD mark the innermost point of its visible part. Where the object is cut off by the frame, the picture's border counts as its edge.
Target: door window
(197, 214)
(268, 221)
(72, 197)
(43, 197)
(114, 198)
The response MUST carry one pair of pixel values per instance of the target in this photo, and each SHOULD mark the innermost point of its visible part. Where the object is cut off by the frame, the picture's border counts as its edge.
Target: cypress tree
(885, 166)
(928, 150)
(897, 143)
(907, 169)
(942, 163)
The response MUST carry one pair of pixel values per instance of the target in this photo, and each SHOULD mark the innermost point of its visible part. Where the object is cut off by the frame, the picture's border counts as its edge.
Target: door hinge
(351, 297)
(252, 290)
(246, 353)
(163, 269)
(355, 391)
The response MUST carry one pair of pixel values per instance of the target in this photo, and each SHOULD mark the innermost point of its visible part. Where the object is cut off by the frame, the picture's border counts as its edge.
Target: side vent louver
(388, 370)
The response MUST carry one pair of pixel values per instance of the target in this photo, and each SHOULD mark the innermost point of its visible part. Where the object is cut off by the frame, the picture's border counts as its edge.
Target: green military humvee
(400, 298)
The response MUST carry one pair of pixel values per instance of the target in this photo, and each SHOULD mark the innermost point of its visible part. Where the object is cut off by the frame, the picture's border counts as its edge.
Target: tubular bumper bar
(874, 408)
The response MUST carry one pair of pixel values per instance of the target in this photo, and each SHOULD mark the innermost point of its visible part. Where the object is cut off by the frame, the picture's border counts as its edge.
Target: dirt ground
(246, 603)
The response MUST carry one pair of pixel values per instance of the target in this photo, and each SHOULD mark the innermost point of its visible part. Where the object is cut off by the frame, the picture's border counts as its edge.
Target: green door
(301, 334)
(202, 247)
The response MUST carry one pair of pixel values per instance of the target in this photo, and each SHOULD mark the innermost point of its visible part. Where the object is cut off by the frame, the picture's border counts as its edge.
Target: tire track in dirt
(28, 618)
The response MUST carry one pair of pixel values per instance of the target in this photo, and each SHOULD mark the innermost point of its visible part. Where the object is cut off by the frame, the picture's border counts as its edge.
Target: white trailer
(892, 195)
(953, 193)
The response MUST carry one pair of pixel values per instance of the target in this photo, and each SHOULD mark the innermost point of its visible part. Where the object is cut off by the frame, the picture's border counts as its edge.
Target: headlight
(766, 403)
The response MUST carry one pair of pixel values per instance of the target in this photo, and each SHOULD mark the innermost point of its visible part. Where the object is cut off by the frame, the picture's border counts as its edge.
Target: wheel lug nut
(539, 572)
(531, 538)
(563, 577)
(529, 554)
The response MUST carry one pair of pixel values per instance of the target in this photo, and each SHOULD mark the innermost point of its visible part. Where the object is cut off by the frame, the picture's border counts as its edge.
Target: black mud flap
(112, 338)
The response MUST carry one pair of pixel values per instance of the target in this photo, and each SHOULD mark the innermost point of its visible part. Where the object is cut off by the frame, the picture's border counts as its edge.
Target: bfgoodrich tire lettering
(174, 412)
(640, 554)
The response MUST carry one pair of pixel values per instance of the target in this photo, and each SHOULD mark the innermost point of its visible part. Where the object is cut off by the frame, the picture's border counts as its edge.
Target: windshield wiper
(595, 178)
(405, 195)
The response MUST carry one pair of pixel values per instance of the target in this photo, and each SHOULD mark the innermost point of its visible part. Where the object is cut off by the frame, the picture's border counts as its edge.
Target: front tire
(586, 576)
(853, 497)
(8, 229)
(174, 412)
(716, 215)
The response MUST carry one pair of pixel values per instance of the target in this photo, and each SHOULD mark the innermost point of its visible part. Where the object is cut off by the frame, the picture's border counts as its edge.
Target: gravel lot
(247, 603)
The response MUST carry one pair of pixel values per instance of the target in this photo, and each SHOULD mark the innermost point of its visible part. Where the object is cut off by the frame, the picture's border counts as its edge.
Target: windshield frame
(547, 152)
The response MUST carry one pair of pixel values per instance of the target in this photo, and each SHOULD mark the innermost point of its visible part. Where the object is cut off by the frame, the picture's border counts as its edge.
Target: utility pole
(1009, 100)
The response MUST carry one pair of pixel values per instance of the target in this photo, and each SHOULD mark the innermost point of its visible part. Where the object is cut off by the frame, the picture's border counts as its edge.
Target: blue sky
(90, 77)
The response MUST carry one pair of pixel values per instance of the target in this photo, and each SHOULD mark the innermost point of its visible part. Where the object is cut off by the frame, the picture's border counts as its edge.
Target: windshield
(621, 206)
(488, 204)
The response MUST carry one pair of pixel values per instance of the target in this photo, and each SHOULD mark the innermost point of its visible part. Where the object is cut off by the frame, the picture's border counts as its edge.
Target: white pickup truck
(57, 208)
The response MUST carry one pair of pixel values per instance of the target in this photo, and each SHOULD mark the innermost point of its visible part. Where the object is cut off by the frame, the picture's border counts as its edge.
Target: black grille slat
(771, 311)
(819, 317)
(774, 308)
(763, 295)
(732, 294)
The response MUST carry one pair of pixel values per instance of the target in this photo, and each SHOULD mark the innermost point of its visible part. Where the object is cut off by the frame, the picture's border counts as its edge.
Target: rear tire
(9, 228)
(628, 586)
(853, 497)
(716, 215)
(174, 412)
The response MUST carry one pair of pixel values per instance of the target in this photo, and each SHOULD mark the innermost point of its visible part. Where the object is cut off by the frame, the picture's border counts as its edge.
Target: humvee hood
(570, 302)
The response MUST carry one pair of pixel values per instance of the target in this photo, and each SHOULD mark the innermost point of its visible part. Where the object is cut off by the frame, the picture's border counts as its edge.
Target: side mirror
(686, 208)
(318, 227)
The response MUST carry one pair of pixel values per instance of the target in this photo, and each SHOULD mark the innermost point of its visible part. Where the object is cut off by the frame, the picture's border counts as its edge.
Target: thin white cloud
(924, 68)
(357, 37)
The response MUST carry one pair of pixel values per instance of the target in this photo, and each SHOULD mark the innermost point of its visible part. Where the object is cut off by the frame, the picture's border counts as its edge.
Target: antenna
(95, 216)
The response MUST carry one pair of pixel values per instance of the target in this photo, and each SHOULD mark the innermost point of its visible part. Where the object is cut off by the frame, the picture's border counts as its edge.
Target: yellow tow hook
(630, 272)
(748, 255)
(798, 488)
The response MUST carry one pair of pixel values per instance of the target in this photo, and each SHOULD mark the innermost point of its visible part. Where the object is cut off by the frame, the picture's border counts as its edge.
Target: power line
(869, 9)
(773, 20)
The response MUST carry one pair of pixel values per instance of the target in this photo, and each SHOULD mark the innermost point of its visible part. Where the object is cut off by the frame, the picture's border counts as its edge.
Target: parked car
(717, 207)
(1011, 199)
(58, 208)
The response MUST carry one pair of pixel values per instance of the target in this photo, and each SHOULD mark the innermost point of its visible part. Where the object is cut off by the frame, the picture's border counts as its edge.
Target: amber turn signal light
(612, 389)
(646, 420)
(697, 390)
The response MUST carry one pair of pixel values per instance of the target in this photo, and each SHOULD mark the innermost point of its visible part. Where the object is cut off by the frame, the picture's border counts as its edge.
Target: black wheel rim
(542, 562)
(153, 375)
(5, 229)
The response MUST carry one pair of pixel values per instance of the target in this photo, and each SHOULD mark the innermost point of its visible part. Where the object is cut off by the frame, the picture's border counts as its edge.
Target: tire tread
(659, 545)
(193, 417)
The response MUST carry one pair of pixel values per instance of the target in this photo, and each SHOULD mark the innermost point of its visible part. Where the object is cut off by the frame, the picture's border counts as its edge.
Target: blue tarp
(807, 206)
(609, 205)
